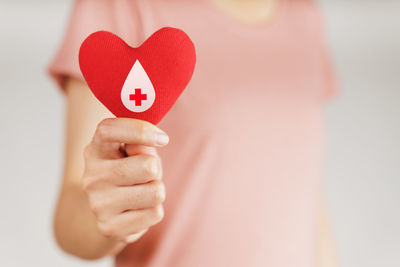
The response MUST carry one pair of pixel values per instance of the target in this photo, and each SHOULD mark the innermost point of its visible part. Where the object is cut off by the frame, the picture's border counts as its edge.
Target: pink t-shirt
(243, 167)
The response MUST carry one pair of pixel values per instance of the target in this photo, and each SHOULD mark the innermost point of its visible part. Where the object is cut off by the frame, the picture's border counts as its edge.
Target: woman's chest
(244, 71)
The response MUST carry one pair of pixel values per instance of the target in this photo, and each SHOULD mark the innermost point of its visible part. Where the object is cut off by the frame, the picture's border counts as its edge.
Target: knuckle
(91, 181)
(103, 129)
(95, 207)
(88, 183)
(141, 131)
(107, 230)
(158, 192)
(99, 210)
(151, 167)
(158, 213)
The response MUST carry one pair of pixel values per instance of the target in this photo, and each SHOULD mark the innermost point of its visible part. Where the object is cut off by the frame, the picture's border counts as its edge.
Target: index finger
(127, 131)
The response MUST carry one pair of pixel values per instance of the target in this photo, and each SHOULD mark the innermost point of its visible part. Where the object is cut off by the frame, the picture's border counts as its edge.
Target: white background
(363, 161)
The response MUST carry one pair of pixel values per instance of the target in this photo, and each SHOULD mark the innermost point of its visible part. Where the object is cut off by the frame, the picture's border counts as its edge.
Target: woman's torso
(242, 168)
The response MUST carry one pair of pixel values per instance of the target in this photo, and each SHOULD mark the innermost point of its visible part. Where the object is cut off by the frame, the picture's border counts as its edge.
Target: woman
(243, 165)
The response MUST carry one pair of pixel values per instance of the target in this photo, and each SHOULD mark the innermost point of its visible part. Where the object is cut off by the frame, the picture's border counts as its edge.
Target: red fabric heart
(111, 70)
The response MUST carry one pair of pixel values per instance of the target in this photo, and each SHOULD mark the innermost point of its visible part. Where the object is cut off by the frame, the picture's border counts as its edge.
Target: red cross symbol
(138, 97)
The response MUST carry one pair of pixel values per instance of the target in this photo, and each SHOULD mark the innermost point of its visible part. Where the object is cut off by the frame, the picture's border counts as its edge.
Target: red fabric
(168, 57)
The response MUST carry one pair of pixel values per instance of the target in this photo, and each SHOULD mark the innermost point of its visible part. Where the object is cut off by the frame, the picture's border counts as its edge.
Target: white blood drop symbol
(138, 93)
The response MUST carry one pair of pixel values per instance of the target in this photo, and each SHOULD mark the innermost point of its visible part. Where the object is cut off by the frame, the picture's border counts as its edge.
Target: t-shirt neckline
(231, 21)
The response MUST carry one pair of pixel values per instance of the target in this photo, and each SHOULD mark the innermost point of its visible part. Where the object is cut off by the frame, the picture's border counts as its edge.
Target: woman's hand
(122, 177)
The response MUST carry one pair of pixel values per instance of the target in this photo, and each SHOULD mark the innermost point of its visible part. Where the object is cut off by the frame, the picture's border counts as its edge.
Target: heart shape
(143, 82)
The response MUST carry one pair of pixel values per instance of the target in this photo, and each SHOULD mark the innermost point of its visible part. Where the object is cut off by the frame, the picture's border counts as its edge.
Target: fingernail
(162, 139)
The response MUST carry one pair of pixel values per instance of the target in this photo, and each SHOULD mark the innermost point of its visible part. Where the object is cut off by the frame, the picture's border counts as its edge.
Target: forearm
(75, 227)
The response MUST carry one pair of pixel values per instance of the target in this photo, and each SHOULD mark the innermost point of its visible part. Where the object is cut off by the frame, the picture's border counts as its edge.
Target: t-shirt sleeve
(331, 85)
(87, 16)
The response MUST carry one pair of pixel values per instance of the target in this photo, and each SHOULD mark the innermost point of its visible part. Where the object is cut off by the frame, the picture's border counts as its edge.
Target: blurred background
(362, 172)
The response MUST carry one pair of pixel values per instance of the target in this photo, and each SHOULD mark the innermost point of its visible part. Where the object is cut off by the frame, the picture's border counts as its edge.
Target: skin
(111, 194)
(248, 11)
(112, 190)
(326, 251)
